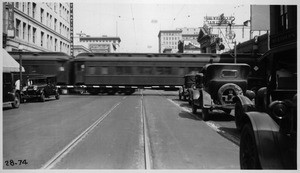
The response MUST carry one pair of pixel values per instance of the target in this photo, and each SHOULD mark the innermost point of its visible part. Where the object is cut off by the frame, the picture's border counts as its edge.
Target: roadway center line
(61, 154)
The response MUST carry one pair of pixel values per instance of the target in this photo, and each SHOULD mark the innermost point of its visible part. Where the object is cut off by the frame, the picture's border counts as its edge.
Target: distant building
(168, 39)
(97, 44)
(189, 38)
(80, 49)
(37, 26)
(219, 32)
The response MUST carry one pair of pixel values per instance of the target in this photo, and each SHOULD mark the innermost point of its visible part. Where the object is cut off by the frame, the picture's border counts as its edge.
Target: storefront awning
(9, 63)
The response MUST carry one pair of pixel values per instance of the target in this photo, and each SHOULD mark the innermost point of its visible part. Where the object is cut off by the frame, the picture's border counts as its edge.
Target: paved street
(150, 129)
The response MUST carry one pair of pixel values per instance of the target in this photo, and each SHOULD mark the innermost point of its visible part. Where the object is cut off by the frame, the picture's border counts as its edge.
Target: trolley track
(147, 148)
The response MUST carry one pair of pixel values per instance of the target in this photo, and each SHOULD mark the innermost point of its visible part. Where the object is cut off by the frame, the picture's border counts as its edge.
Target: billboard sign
(260, 17)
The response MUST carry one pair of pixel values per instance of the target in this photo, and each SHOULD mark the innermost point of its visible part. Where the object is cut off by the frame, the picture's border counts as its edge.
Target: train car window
(34, 69)
(91, 70)
(168, 70)
(127, 70)
(123, 70)
(194, 69)
(104, 70)
(159, 70)
(145, 70)
(181, 71)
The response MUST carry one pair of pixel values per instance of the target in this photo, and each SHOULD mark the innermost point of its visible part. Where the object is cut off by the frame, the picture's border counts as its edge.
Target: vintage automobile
(11, 95)
(217, 85)
(184, 91)
(40, 87)
(269, 126)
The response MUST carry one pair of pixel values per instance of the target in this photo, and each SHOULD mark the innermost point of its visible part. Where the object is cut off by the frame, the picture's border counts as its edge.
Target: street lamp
(20, 48)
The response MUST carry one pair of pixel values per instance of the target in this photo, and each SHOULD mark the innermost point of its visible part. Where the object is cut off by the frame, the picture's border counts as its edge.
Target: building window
(42, 39)
(33, 9)
(48, 41)
(55, 23)
(55, 45)
(18, 27)
(28, 8)
(50, 21)
(23, 6)
(284, 21)
(55, 4)
(60, 25)
(47, 19)
(24, 31)
(34, 34)
(29, 33)
(42, 15)
(17, 5)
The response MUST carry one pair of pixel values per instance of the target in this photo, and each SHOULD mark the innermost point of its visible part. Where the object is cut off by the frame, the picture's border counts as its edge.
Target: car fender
(266, 132)
(247, 104)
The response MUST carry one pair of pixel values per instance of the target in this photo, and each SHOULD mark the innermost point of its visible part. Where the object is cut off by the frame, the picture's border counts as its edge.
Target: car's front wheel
(16, 102)
(205, 114)
(248, 150)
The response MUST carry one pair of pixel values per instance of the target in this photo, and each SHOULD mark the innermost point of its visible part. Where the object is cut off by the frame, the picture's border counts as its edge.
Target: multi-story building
(283, 31)
(189, 38)
(97, 44)
(219, 34)
(37, 26)
(168, 39)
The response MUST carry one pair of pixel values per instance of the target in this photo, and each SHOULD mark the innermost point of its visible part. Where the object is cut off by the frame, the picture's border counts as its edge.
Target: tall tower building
(168, 40)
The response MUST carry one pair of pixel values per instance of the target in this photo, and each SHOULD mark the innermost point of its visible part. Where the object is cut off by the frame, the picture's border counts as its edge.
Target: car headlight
(278, 109)
(35, 88)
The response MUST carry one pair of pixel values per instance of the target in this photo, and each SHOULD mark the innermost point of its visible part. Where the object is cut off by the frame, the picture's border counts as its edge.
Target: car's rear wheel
(248, 149)
(205, 114)
(16, 102)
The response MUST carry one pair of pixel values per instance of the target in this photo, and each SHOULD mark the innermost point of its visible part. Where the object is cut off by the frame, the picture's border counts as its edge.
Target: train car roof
(153, 57)
(40, 56)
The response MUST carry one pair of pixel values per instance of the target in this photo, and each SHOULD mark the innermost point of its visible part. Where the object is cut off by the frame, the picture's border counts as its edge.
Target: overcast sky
(137, 23)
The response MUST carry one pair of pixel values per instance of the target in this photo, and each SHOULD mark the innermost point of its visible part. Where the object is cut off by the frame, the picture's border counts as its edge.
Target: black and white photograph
(157, 85)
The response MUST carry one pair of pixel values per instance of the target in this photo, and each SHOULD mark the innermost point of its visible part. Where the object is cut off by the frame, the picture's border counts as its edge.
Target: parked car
(184, 91)
(217, 85)
(269, 126)
(40, 87)
(11, 95)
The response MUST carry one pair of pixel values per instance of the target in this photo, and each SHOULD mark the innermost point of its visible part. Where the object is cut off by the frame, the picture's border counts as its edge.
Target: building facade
(37, 26)
(103, 44)
(189, 38)
(283, 31)
(168, 39)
